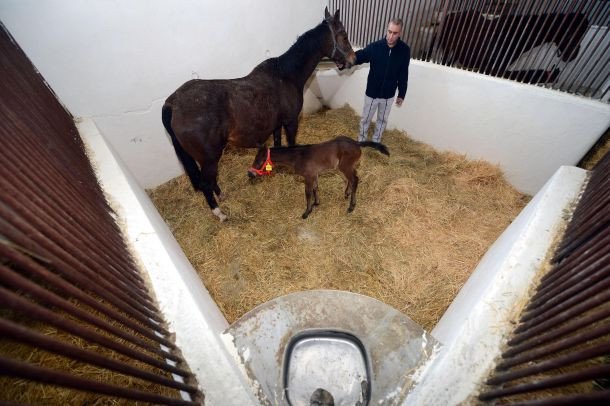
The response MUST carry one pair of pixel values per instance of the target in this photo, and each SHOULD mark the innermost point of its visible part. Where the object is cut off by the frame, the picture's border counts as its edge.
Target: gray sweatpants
(383, 107)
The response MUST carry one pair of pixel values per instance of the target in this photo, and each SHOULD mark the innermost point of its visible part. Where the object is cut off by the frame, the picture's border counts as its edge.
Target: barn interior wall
(529, 131)
(116, 62)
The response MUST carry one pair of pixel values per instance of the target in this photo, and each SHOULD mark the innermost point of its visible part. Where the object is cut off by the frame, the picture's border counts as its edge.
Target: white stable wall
(528, 130)
(117, 61)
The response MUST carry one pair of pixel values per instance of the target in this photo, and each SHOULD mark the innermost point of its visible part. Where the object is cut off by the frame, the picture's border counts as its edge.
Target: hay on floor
(423, 220)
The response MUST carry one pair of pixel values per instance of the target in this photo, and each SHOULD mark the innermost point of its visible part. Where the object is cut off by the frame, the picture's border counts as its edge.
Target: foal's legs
(315, 192)
(352, 185)
(352, 202)
(309, 191)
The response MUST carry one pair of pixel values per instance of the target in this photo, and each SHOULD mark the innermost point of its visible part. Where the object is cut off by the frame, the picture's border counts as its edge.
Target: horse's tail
(189, 164)
(377, 145)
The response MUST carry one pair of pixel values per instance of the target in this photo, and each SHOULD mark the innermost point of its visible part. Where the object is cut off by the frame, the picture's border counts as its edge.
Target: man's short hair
(397, 21)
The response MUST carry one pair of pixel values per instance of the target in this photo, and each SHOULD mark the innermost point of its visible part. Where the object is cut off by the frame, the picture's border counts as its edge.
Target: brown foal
(341, 153)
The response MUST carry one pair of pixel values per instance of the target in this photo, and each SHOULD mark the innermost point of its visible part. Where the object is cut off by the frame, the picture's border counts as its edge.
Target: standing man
(389, 70)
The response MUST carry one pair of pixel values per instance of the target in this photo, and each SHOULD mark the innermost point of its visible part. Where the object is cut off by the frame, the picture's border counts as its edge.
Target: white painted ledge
(183, 300)
(479, 320)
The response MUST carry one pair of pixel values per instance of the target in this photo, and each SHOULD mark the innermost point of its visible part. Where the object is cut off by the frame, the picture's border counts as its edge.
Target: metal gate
(558, 44)
(74, 309)
(562, 344)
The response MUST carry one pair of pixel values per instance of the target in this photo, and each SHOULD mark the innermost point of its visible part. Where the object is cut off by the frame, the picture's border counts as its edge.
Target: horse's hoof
(305, 215)
(221, 216)
(316, 203)
(350, 209)
(221, 197)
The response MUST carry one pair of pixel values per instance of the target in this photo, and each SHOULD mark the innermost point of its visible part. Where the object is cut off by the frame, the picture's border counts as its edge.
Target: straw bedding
(422, 221)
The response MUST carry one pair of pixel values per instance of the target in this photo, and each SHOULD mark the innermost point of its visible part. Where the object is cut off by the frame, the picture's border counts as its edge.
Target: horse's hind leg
(352, 202)
(209, 186)
(316, 202)
(308, 195)
(352, 184)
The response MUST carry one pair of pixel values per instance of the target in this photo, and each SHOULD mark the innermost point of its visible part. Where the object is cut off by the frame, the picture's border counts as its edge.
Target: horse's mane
(290, 63)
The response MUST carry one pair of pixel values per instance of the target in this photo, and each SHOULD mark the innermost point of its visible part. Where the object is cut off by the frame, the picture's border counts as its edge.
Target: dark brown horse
(492, 45)
(203, 116)
(341, 153)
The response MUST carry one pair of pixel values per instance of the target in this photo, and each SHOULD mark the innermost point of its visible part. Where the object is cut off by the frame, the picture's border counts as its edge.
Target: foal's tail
(377, 145)
(189, 164)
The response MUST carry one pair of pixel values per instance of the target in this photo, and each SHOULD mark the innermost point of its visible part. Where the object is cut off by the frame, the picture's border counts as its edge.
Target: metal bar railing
(565, 330)
(69, 287)
(492, 36)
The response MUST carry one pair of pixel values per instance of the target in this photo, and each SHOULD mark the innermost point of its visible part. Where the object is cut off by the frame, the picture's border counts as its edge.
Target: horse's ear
(326, 13)
(336, 17)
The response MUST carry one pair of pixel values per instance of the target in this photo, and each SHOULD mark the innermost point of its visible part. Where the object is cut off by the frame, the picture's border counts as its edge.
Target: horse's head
(262, 164)
(339, 49)
(570, 32)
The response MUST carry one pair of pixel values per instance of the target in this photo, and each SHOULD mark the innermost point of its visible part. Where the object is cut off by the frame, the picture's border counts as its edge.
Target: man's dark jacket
(389, 68)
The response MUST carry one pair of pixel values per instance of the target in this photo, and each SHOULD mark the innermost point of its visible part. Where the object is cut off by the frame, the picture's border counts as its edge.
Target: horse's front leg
(291, 131)
(308, 195)
(277, 137)
(316, 202)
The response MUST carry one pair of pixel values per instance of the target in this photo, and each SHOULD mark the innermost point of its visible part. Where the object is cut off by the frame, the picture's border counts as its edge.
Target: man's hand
(399, 101)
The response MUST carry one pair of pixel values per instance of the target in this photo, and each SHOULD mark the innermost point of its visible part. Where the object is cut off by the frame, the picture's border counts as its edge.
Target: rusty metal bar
(19, 304)
(491, 39)
(64, 263)
(475, 46)
(525, 341)
(454, 35)
(591, 398)
(417, 28)
(545, 383)
(28, 265)
(576, 305)
(68, 241)
(543, 18)
(24, 335)
(557, 319)
(593, 52)
(603, 53)
(554, 363)
(83, 213)
(595, 222)
(474, 15)
(505, 39)
(57, 210)
(591, 250)
(500, 41)
(563, 36)
(25, 370)
(12, 156)
(428, 30)
(523, 23)
(603, 69)
(556, 347)
(25, 235)
(583, 50)
(586, 281)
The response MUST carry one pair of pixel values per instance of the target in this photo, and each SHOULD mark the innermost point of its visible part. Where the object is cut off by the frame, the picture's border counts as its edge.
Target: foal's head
(262, 164)
(339, 50)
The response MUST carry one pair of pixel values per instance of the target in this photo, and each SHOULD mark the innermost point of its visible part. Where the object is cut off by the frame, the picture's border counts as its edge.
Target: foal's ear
(336, 17)
(326, 13)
